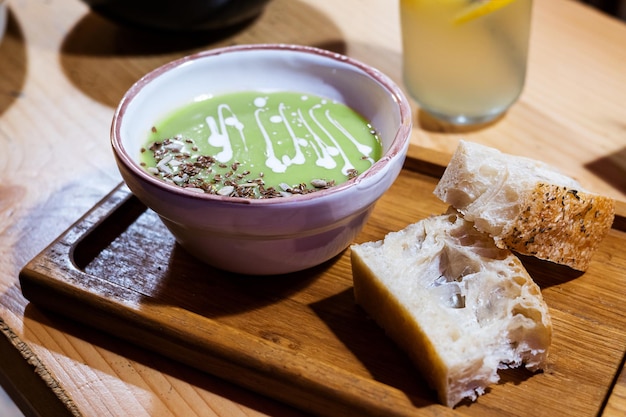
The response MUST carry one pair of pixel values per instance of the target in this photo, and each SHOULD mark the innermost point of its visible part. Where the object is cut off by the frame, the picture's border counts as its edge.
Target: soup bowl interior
(277, 235)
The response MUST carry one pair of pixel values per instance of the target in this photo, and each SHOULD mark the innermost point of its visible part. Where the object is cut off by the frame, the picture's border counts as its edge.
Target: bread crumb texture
(461, 307)
(526, 205)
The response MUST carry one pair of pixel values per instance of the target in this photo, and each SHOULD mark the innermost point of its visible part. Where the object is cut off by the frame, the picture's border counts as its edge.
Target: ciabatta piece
(458, 305)
(525, 205)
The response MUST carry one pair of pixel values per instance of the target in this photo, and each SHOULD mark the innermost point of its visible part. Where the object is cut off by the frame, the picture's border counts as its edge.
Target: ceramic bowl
(3, 18)
(263, 236)
(187, 15)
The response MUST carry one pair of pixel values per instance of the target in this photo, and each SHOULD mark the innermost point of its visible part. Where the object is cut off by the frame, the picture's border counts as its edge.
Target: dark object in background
(183, 15)
(613, 7)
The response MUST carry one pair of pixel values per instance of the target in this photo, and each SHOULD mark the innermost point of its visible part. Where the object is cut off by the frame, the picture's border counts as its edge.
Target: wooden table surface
(62, 72)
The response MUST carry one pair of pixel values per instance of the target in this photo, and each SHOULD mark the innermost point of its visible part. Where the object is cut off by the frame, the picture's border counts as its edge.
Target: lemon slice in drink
(480, 8)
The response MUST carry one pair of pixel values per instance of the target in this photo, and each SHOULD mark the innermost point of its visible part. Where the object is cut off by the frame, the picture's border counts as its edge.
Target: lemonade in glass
(465, 60)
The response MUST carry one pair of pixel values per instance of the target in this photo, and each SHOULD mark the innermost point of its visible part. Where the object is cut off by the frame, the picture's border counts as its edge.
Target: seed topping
(204, 174)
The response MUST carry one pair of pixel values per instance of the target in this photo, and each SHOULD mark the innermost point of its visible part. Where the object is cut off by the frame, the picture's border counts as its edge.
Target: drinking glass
(464, 61)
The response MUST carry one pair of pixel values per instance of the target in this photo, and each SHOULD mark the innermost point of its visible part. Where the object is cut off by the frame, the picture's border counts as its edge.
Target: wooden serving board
(300, 338)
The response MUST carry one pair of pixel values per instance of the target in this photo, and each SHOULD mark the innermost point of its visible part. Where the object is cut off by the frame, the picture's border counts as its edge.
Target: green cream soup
(261, 145)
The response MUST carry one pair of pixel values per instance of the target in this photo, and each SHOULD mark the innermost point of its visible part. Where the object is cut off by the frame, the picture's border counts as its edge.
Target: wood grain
(301, 338)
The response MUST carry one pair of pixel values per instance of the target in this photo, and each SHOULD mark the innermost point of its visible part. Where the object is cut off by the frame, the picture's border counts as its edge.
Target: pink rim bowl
(263, 236)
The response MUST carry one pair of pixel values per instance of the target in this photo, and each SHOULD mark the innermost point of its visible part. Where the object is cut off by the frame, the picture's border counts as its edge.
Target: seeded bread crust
(560, 224)
(526, 206)
(408, 284)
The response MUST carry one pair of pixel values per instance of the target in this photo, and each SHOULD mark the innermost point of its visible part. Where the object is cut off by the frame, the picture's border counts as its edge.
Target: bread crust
(375, 298)
(526, 205)
(559, 224)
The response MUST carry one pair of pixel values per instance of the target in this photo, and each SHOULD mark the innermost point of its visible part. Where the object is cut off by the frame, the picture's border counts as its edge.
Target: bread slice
(525, 205)
(458, 305)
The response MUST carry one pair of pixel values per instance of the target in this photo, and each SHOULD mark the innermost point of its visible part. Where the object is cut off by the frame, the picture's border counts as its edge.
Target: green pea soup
(261, 144)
